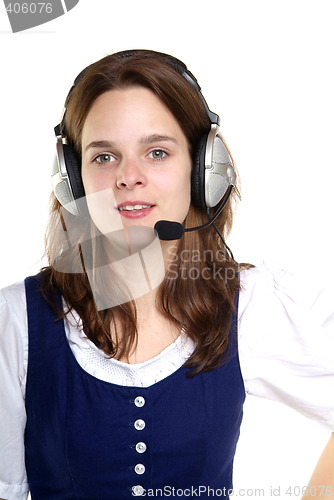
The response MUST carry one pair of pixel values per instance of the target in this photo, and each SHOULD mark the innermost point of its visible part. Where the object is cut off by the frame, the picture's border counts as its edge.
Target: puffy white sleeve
(13, 363)
(286, 341)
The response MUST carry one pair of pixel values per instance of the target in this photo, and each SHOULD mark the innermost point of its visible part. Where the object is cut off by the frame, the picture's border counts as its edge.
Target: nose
(130, 174)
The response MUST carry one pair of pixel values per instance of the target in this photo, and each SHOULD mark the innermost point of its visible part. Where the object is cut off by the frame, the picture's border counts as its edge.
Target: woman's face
(134, 151)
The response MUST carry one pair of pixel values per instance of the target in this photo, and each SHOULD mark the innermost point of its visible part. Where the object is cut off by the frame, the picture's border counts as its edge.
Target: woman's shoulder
(268, 282)
(13, 297)
(282, 309)
(13, 316)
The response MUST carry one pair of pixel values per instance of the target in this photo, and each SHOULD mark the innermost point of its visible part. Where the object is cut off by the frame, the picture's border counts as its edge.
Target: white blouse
(286, 350)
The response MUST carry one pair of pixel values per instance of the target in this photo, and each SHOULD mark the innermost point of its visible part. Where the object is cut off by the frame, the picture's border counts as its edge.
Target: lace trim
(100, 365)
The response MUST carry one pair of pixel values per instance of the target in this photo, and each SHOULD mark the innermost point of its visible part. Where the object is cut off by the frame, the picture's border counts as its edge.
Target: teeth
(133, 207)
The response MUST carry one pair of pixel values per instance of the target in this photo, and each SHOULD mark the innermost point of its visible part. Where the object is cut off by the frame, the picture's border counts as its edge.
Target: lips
(134, 209)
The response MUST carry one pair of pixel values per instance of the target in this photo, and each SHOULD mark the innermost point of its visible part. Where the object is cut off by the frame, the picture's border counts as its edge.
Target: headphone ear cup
(73, 167)
(198, 174)
(213, 171)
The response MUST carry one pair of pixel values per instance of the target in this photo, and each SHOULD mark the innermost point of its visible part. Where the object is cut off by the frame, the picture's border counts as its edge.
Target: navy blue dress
(90, 439)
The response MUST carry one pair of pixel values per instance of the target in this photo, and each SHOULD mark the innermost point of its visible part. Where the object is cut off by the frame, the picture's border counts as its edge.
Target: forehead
(132, 111)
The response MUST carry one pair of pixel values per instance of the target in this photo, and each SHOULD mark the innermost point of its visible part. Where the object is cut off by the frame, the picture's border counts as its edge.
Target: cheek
(93, 182)
(87, 180)
(175, 184)
(185, 182)
(178, 191)
(187, 192)
(101, 201)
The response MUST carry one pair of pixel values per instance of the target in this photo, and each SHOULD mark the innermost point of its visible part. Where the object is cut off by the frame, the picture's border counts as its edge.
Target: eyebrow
(98, 144)
(156, 138)
(143, 140)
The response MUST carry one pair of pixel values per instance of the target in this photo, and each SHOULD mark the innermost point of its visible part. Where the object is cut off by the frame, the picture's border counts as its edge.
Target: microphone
(167, 230)
(170, 230)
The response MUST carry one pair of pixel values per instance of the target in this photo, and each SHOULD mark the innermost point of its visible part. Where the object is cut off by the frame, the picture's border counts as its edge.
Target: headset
(213, 174)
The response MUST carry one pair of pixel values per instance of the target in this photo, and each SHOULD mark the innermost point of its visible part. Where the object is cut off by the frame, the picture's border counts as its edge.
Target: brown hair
(197, 294)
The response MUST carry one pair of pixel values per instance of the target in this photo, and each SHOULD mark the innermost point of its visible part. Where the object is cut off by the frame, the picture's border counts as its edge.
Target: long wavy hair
(198, 293)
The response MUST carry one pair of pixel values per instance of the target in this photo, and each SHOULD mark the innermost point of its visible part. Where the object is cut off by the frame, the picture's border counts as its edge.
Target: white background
(267, 68)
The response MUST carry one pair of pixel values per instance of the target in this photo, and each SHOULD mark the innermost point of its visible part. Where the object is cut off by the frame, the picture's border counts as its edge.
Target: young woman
(124, 364)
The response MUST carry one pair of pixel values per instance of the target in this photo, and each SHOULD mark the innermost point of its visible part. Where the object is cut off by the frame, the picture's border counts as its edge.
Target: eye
(104, 158)
(157, 154)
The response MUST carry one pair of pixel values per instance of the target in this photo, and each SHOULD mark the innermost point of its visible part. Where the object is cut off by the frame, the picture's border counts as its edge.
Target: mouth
(134, 209)
(130, 208)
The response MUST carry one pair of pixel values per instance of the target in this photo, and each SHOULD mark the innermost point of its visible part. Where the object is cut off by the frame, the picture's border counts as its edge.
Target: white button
(138, 490)
(140, 469)
(139, 401)
(141, 447)
(139, 424)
